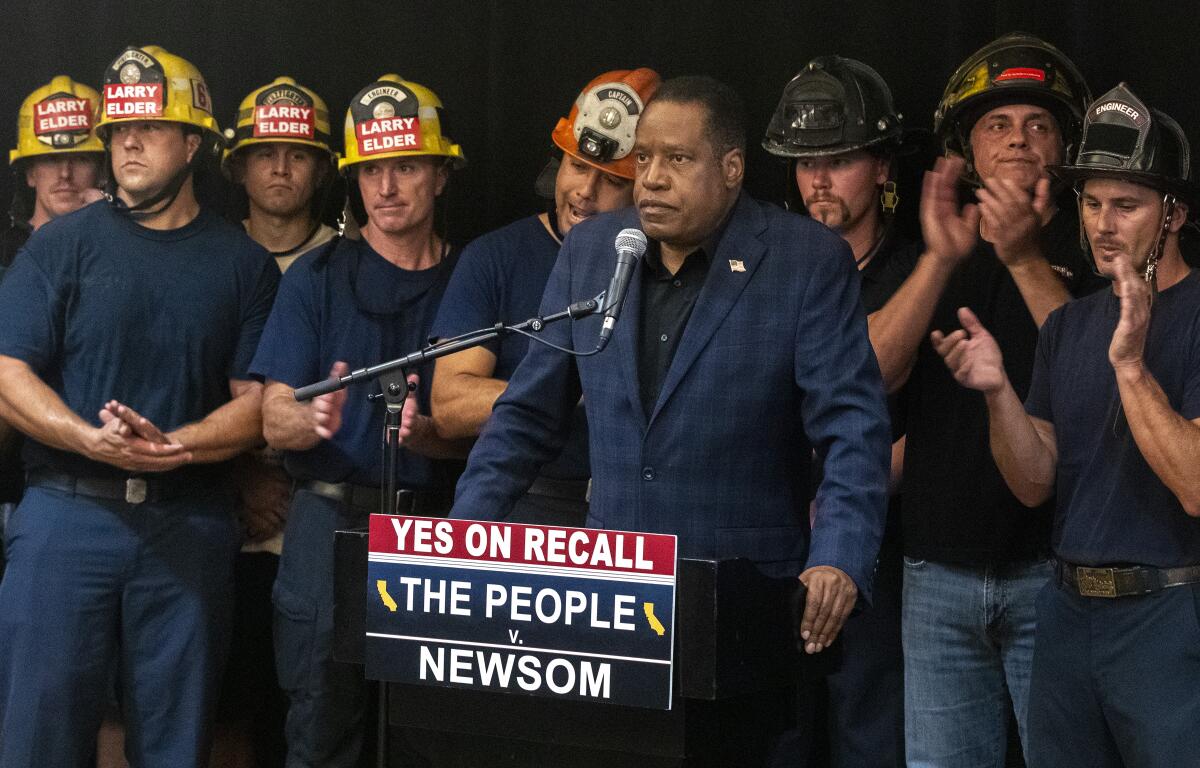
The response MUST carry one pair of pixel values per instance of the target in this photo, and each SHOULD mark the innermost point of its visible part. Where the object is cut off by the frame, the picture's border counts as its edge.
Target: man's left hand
(411, 428)
(1129, 339)
(138, 424)
(831, 597)
(326, 410)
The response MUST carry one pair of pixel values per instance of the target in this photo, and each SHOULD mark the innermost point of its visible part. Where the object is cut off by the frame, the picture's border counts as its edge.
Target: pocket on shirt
(913, 564)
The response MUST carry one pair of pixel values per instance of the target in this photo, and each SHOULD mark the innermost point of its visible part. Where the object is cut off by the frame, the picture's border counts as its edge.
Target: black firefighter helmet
(833, 105)
(1124, 139)
(1016, 68)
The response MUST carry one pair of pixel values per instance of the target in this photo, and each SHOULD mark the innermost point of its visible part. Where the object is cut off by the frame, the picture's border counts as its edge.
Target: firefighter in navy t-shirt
(56, 170)
(349, 305)
(129, 329)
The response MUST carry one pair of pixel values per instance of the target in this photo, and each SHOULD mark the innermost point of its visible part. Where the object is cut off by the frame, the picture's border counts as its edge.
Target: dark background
(507, 70)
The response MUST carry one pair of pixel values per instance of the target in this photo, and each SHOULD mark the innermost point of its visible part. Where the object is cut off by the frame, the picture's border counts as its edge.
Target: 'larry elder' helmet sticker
(133, 86)
(62, 120)
(385, 120)
(284, 113)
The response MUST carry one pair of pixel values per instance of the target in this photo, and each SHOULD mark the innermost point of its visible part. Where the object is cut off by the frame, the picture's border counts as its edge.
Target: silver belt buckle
(135, 490)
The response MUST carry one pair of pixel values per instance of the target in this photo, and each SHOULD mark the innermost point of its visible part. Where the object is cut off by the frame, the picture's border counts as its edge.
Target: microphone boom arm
(579, 309)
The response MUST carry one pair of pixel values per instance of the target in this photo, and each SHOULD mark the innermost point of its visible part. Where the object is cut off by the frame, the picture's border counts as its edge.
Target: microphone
(630, 245)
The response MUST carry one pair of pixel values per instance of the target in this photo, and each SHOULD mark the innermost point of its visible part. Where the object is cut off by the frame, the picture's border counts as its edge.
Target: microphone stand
(445, 347)
(394, 390)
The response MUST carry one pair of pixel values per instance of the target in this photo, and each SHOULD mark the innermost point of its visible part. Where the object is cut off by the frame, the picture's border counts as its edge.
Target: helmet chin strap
(164, 198)
(1150, 271)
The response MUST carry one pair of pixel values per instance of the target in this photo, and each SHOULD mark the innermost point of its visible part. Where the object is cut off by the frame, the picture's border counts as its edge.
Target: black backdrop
(508, 69)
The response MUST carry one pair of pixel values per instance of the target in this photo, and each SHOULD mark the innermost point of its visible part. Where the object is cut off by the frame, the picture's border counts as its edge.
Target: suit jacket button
(647, 473)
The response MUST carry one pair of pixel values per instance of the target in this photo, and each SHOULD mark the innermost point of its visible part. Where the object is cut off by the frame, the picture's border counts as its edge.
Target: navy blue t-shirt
(102, 308)
(1111, 507)
(349, 303)
(501, 278)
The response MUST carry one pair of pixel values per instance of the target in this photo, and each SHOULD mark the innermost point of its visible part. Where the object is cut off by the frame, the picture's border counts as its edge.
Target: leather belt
(366, 497)
(1124, 581)
(571, 490)
(131, 490)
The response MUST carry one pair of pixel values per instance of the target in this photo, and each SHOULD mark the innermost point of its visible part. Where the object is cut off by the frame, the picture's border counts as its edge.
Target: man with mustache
(502, 275)
(56, 162)
(347, 305)
(56, 170)
(741, 347)
(1111, 426)
(838, 128)
(975, 556)
(128, 330)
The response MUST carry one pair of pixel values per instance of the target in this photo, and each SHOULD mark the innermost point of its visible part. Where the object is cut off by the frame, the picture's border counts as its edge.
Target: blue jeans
(1114, 680)
(93, 585)
(968, 650)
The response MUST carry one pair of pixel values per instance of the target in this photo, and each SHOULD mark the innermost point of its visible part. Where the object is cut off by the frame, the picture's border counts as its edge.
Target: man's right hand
(266, 492)
(950, 232)
(971, 354)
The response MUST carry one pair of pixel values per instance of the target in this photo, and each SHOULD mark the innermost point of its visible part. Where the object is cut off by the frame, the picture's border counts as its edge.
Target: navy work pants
(1116, 681)
(93, 582)
(866, 693)
(326, 698)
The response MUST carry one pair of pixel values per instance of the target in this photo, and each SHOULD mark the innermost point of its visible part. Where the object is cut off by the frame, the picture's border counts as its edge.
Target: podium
(737, 673)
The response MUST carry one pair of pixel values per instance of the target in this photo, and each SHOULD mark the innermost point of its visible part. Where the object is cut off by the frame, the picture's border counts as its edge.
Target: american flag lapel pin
(736, 265)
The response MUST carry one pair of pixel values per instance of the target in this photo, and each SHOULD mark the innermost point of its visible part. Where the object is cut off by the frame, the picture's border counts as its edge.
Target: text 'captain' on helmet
(601, 125)
(595, 172)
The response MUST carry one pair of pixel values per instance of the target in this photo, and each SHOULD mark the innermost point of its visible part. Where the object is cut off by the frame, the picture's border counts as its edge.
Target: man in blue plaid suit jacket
(773, 362)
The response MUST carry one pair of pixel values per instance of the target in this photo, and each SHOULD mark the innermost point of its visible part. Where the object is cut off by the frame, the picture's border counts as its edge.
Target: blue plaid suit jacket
(774, 362)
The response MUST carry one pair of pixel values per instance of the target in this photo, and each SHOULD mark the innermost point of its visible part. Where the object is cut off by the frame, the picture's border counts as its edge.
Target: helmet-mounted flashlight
(597, 146)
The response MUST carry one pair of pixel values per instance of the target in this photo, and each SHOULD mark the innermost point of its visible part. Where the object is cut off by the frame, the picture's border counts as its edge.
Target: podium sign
(570, 613)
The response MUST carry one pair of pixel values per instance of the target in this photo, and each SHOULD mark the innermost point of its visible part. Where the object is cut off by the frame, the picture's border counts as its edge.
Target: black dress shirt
(667, 302)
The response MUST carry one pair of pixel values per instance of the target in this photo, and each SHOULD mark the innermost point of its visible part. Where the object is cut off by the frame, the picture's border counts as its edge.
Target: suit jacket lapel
(724, 283)
(625, 335)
